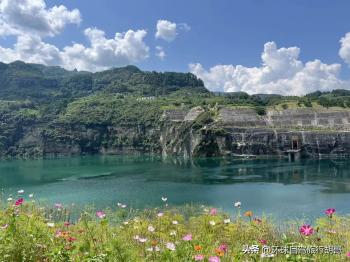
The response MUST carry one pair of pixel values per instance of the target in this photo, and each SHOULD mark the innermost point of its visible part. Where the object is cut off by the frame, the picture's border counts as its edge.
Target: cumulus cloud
(32, 16)
(31, 49)
(124, 48)
(281, 72)
(30, 21)
(160, 52)
(168, 31)
(344, 51)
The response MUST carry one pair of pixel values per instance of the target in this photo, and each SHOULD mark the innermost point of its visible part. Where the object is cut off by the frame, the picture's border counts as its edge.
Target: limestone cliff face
(242, 132)
(209, 132)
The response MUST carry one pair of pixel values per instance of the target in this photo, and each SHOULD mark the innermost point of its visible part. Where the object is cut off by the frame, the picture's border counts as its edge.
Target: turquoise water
(275, 187)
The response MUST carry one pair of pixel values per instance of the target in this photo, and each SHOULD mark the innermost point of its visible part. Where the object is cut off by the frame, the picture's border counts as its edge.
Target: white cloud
(33, 17)
(281, 73)
(168, 31)
(160, 52)
(184, 27)
(32, 50)
(344, 51)
(124, 48)
(30, 21)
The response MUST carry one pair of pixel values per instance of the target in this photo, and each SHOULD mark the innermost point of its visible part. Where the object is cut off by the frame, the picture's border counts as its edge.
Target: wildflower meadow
(30, 232)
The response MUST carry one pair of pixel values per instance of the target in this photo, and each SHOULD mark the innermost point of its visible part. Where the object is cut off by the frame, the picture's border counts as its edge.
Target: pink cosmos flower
(199, 257)
(100, 214)
(348, 254)
(188, 237)
(329, 212)
(214, 259)
(58, 233)
(71, 239)
(4, 226)
(306, 230)
(67, 224)
(58, 205)
(19, 202)
(223, 247)
(263, 241)
(213, 211)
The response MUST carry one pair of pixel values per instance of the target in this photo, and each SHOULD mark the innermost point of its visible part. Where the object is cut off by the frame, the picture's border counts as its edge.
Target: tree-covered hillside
(19, 80)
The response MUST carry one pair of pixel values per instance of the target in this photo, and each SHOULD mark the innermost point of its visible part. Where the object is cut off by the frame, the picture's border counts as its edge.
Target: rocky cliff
(242, 132)
(218, 131)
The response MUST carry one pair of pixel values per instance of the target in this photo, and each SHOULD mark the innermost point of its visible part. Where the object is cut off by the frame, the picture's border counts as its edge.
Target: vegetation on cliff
(29, 232)
(35, 96)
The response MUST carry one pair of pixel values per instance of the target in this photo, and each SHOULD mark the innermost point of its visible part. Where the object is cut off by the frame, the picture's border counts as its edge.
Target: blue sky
(222, 32)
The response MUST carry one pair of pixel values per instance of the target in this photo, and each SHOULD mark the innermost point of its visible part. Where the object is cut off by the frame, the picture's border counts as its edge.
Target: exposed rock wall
(289, 118)
(242, 132)
(230, 132)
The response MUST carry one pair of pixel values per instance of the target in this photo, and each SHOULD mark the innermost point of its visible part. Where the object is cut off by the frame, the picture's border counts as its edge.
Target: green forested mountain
(19, 80)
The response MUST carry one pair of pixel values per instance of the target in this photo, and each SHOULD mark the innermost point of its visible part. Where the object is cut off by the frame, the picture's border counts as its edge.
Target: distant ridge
(19, 80)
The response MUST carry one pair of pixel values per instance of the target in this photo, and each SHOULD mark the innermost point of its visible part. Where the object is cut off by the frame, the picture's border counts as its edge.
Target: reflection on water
(269, 186)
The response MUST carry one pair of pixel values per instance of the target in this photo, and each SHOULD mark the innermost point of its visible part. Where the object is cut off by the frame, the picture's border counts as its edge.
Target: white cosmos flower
(164, 199)
(238, 204)
(123, 206)
(20, 191)
(227, 221)
(171, 246)
(119, 204)
(172, 233)
(175, 222)
(50, 224)
(126, 222)
(31, 195)
(137, 237)
(160, 214)
(151, 228)
(212, 223)
(10, 199)
(142, 240)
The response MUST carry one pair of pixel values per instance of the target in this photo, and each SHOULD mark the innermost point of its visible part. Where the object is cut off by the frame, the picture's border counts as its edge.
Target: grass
(29, 232)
